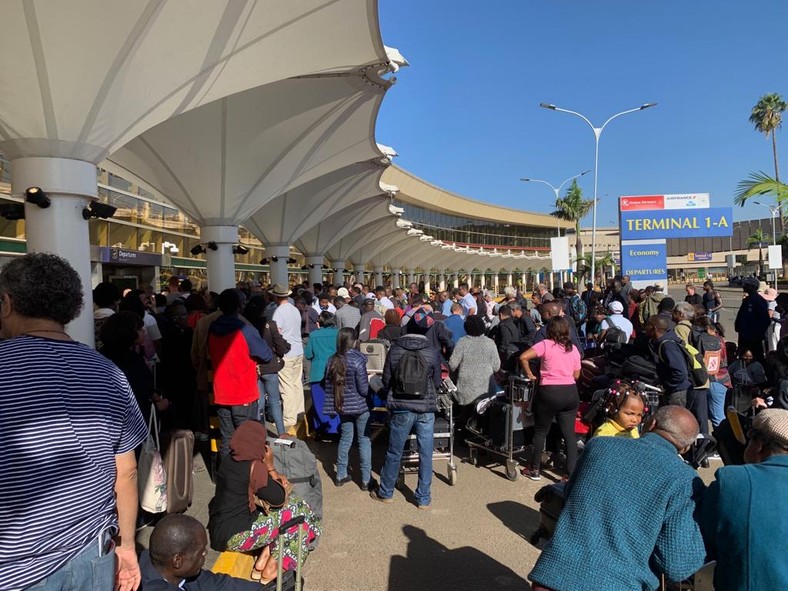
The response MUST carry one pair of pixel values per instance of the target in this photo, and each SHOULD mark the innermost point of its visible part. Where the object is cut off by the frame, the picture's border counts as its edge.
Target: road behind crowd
(474, 537)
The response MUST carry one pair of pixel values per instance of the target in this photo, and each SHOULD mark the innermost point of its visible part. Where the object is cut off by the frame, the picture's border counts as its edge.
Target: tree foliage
(572, 207)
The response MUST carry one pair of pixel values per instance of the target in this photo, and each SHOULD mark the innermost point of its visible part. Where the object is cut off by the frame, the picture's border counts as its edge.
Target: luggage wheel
(473, 460)
(511, 470)
(452, 475)
(537, 535)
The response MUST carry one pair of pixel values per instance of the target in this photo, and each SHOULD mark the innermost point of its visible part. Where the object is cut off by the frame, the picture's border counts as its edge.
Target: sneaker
(531, 474)
(715, 457)
(374, 495)
(423, 507)
(342, 481)
(368, 486)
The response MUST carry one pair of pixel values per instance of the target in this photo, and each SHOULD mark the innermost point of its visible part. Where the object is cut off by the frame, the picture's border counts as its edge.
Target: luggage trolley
(443, 438)
(510, 442)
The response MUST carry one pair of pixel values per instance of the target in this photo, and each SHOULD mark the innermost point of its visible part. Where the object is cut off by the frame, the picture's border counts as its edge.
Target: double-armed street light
(597, 133)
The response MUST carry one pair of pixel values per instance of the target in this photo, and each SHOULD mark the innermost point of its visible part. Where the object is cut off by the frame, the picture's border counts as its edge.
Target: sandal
(256, 575)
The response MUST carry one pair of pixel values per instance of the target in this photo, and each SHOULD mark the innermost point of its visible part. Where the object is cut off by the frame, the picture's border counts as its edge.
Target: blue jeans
(717, 393)
(230, 418)
(87, 570)
(269, 384)
(360, 426)
(402, 423)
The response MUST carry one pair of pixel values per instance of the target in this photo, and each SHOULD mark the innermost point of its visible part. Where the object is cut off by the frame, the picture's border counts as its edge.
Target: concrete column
(60, 228)
(427, 283)
(484, 281)
(339, 275)
(277, 255)
(456, 281)
(442, 282)
(524, 287)
(411, 276)
(378, 276)
(509, 280)
(315, 264)
(220, 262)
(359, 273)
(397, 279)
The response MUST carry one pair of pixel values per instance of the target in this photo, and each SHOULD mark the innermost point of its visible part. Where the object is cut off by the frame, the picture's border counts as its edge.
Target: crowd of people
(261, 357)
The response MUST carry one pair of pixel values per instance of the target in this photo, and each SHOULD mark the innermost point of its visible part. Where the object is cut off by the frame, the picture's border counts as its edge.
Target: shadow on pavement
(431, 566)
(517, 517)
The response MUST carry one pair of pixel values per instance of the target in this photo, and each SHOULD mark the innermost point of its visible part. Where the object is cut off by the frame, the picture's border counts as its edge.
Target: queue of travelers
(253, 353)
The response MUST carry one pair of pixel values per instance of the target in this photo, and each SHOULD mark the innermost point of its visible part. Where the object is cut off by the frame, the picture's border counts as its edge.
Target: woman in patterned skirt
(246, 481)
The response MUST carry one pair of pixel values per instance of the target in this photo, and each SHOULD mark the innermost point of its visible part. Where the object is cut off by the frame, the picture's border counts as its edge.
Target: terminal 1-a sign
(646, 221)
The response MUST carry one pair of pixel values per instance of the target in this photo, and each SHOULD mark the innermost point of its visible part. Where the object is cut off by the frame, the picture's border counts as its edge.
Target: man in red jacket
(235, 349)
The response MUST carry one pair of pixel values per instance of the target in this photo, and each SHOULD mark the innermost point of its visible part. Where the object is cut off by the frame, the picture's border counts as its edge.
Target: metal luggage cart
(518, 392)
(440, 451)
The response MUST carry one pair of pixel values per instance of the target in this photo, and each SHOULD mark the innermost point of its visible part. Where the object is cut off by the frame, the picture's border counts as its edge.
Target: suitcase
(637, 367)
(179, 465)
(498, 424)
(551, 502)
(376, 351)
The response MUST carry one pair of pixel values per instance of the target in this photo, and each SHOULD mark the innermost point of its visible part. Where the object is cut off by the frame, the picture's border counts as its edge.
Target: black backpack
(411, 376)
(615, 336)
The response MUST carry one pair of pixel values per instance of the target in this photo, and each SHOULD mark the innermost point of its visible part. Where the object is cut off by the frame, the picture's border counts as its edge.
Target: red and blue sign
(644, 262)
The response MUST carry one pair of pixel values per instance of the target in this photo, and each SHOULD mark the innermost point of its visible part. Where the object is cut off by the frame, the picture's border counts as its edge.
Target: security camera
(404, 223)
(426, 238)
(396, 210)
(415, 232)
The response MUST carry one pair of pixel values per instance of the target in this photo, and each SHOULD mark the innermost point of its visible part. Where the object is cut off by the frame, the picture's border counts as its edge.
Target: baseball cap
(616, 307)
(342, 292)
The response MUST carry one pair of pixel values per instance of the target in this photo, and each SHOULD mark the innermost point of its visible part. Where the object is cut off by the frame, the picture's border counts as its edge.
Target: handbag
(152, 477)
(267, 507)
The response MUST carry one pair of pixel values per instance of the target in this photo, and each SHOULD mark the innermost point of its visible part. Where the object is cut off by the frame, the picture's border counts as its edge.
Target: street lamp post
(775, 211)
(597, 133)
(557, 191)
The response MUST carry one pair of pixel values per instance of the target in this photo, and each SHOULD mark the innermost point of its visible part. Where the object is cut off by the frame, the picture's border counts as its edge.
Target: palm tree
(602, 262)
(573, 208)
(759, 183)
(767, 118)
(757, 239)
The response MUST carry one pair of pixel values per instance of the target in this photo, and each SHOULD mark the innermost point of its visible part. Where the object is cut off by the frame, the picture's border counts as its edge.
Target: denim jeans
(87, 570)
(698, 405)
(268, 384)
(717, 392)
(360, 426)
(231, 417)
(402, 423)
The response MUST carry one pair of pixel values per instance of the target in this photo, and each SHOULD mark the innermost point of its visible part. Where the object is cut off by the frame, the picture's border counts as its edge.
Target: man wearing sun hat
(288, 319)
(743, 512)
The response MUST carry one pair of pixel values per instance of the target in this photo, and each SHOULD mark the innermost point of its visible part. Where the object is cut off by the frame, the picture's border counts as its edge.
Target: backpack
(577, 309)
(615, 336)
(698, 374)
(411, 376)
(299, 465)
(710, 349)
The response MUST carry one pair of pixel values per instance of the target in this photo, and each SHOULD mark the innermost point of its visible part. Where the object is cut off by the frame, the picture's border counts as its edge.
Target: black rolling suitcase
(551, 502)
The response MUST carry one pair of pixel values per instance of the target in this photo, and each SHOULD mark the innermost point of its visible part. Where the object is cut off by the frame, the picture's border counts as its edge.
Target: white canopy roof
(221, 162)
(80, 79)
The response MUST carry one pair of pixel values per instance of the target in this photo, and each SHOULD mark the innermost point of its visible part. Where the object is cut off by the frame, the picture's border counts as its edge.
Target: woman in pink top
(557, 396)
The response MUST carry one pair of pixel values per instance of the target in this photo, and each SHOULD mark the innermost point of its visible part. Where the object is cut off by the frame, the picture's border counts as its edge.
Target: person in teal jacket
(629, 513)
(322, 344)
(744, 512)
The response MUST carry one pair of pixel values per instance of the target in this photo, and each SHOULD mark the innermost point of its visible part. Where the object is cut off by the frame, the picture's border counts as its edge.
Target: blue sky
(465, 114)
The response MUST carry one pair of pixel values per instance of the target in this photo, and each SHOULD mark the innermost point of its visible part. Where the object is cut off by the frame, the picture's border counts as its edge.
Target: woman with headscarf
(246, 481)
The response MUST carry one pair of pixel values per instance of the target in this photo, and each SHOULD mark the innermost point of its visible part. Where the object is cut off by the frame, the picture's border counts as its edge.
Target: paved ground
(475, 537)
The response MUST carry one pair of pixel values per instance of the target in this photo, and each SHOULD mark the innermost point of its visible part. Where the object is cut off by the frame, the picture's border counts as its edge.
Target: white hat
(616, 307)
(343, 292)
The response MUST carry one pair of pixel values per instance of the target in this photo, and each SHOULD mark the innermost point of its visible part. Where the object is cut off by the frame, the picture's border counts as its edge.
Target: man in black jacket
(508, 338)
(410, 412)
(176, 556)
(671, 364)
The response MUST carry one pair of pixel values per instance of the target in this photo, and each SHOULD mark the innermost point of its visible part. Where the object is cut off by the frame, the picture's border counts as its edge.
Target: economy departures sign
(646, 221)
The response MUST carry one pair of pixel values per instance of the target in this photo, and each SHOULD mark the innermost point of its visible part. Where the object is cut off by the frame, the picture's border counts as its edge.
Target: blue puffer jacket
(355, 400)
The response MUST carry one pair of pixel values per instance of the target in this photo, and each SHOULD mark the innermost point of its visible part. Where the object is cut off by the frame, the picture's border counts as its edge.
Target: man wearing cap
(410, 413)
(743, 512)
(347, 315)
(752, 319)
(616, 319)
(371, 322)
(291, 385)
